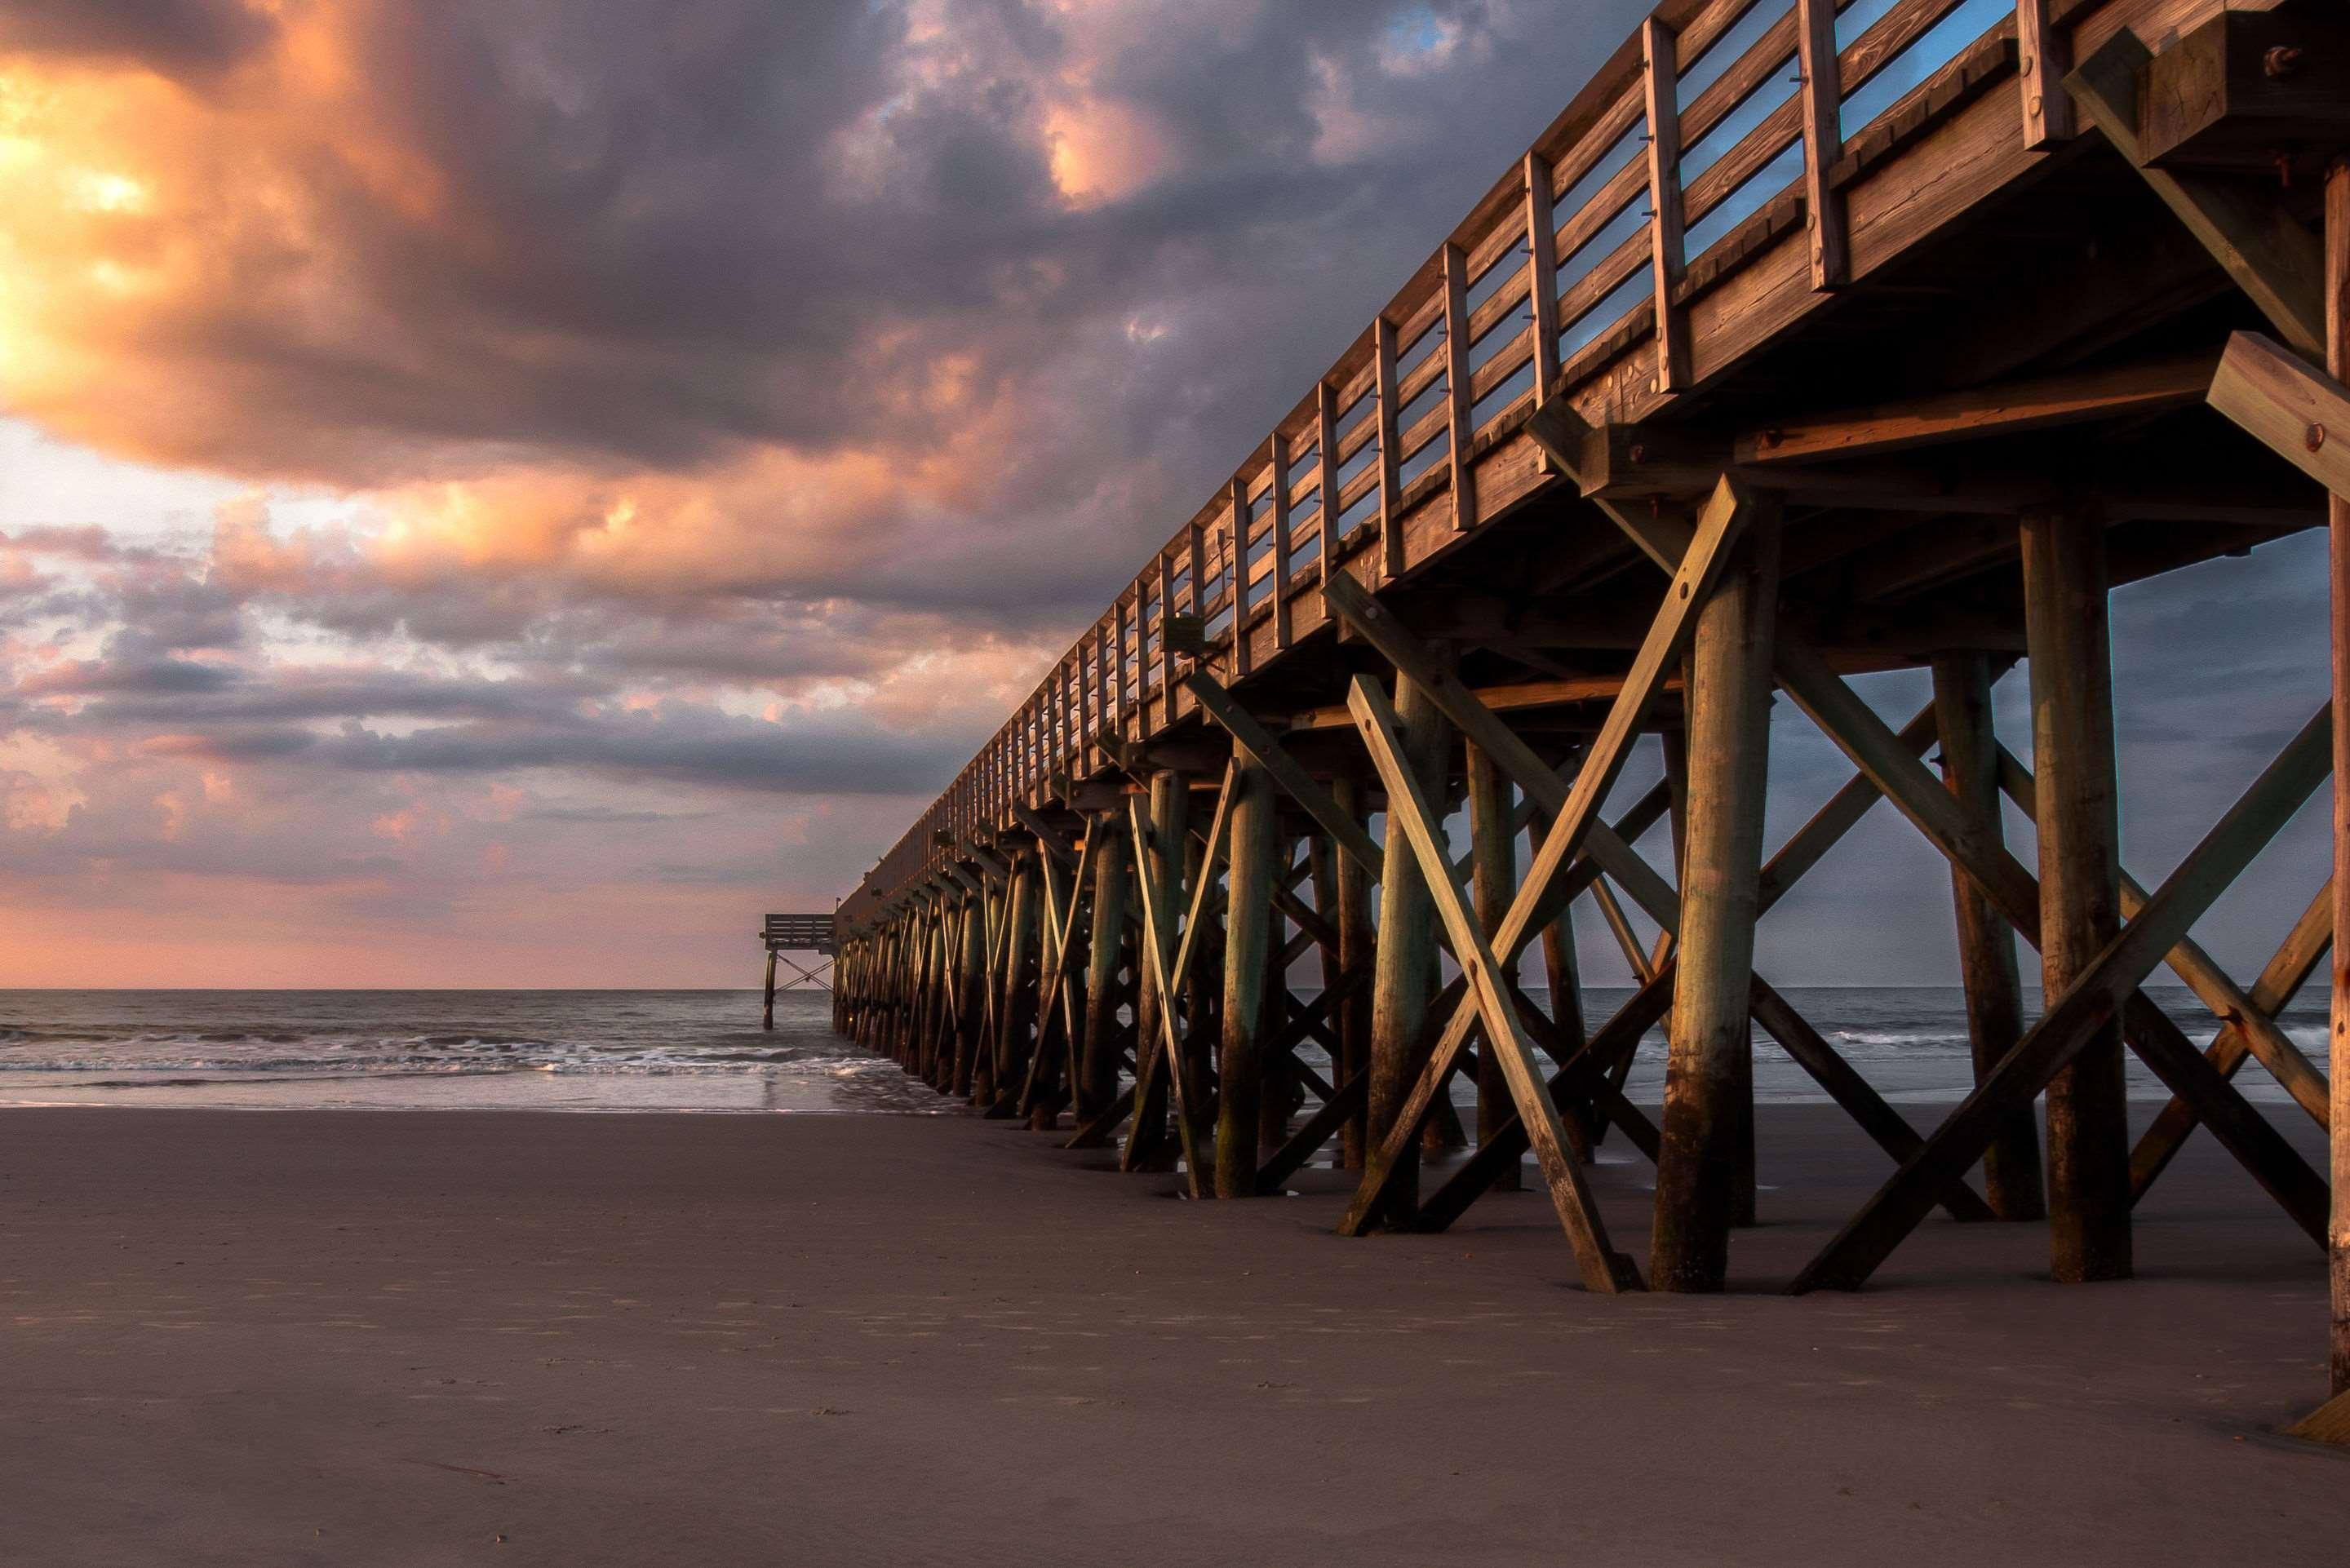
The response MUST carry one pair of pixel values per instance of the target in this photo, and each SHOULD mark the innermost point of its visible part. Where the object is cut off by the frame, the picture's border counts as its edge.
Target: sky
(504, 495)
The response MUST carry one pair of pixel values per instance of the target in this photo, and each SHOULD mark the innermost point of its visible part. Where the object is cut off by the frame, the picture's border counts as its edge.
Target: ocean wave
(1910, 1037)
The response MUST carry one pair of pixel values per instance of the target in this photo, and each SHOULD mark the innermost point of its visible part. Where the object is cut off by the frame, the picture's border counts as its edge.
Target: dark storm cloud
(622, 235)
(688, 745)
(157, 677)
(171, 37)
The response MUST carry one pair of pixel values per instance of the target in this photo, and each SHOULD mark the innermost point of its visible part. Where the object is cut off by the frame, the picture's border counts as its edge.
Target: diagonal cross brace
(2228, 1002)
(1539, 897)
(2303, 947)
(2109, 983)
(1602, 1267)
(1549, 793)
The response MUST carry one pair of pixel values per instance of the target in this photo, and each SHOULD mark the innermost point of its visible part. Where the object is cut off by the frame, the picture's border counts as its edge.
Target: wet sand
(426, 1338)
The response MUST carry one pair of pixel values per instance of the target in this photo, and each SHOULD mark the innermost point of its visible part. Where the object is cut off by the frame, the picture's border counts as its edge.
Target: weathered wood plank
(1971, 755)
(1823, 97)
(2301, 414)
(2042, 403)
(1411, 819)
(2257, 243)
(2103, 985)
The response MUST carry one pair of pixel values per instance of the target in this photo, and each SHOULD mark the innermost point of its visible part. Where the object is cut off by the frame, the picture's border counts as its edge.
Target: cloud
(639, 450)
(171, 37)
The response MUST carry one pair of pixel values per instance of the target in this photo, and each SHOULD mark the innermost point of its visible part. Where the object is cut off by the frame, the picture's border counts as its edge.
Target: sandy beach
(422, 1338)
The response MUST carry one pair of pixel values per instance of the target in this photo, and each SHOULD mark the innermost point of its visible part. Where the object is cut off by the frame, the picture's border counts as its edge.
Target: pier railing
(1717, 128)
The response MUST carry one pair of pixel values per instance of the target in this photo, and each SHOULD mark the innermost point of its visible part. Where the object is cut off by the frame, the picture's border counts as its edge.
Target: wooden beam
(1460, 423)
(1412, 820)
(1178, 968)
(2246, 87)
(1718, 527)
(2258, 243)
(1344, 1104)
(1659, 86)
(1583, 1076)
(1357, 939)
(2300, 414)
(1961, 837)
(1282, 632)
(1164, 979)
(1708, 1083)
(1853, 1093)
(2230, 1003)
(1325, 514)
(1258, 744)
(1097, 1064)
(2077, 813)
(2112, 392)
(1542, 273)
(2336, 291)
(1493, 861)
(1161, 846)
(2106, 984)
(1243, 655)
(2279, 981)
(1971, 755)
(1823, 103)
(1390, 459)
(2042, 54)
(1248, 936)
(1403, 965)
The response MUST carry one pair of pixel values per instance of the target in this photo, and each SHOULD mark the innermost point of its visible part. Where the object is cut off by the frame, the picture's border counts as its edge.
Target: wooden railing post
(1325, 435)
(1460, 429)
(1823, 92)
(1279, 501)
(1542, 274)
(2044, 57)
(1383, 348)
(1660, 87)
(1239, 535)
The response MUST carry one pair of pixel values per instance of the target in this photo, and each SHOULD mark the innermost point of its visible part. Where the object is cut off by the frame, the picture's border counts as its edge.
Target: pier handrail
(1727, 119)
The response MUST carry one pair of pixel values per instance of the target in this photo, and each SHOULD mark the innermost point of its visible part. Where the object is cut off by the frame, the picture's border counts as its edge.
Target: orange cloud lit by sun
(131, 208)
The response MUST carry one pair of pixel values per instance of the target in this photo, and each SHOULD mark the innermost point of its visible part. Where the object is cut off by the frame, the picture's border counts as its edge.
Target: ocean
(704, 1051)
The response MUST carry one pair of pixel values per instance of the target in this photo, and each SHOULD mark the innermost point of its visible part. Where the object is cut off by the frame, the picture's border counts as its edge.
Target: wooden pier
(1753, 374)
(784, 935)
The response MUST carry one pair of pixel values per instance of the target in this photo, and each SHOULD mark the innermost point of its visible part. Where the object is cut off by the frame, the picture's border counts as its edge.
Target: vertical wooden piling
(1709, 1068)
(1094, 1067)
(1171, 801)
(1248, 937)
(1494, 881)
(971, 1022)
(1044, 1110)
(937, 1047)
(767, 1018)
(1403, 969)
(1017, 1009)
(2064, 615)
(1278, 1083)
(1355, 950)
(2337, 365)
(1962, 684)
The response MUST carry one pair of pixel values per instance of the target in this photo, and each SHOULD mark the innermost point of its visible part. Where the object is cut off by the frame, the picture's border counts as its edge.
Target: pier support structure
(1577, 622)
